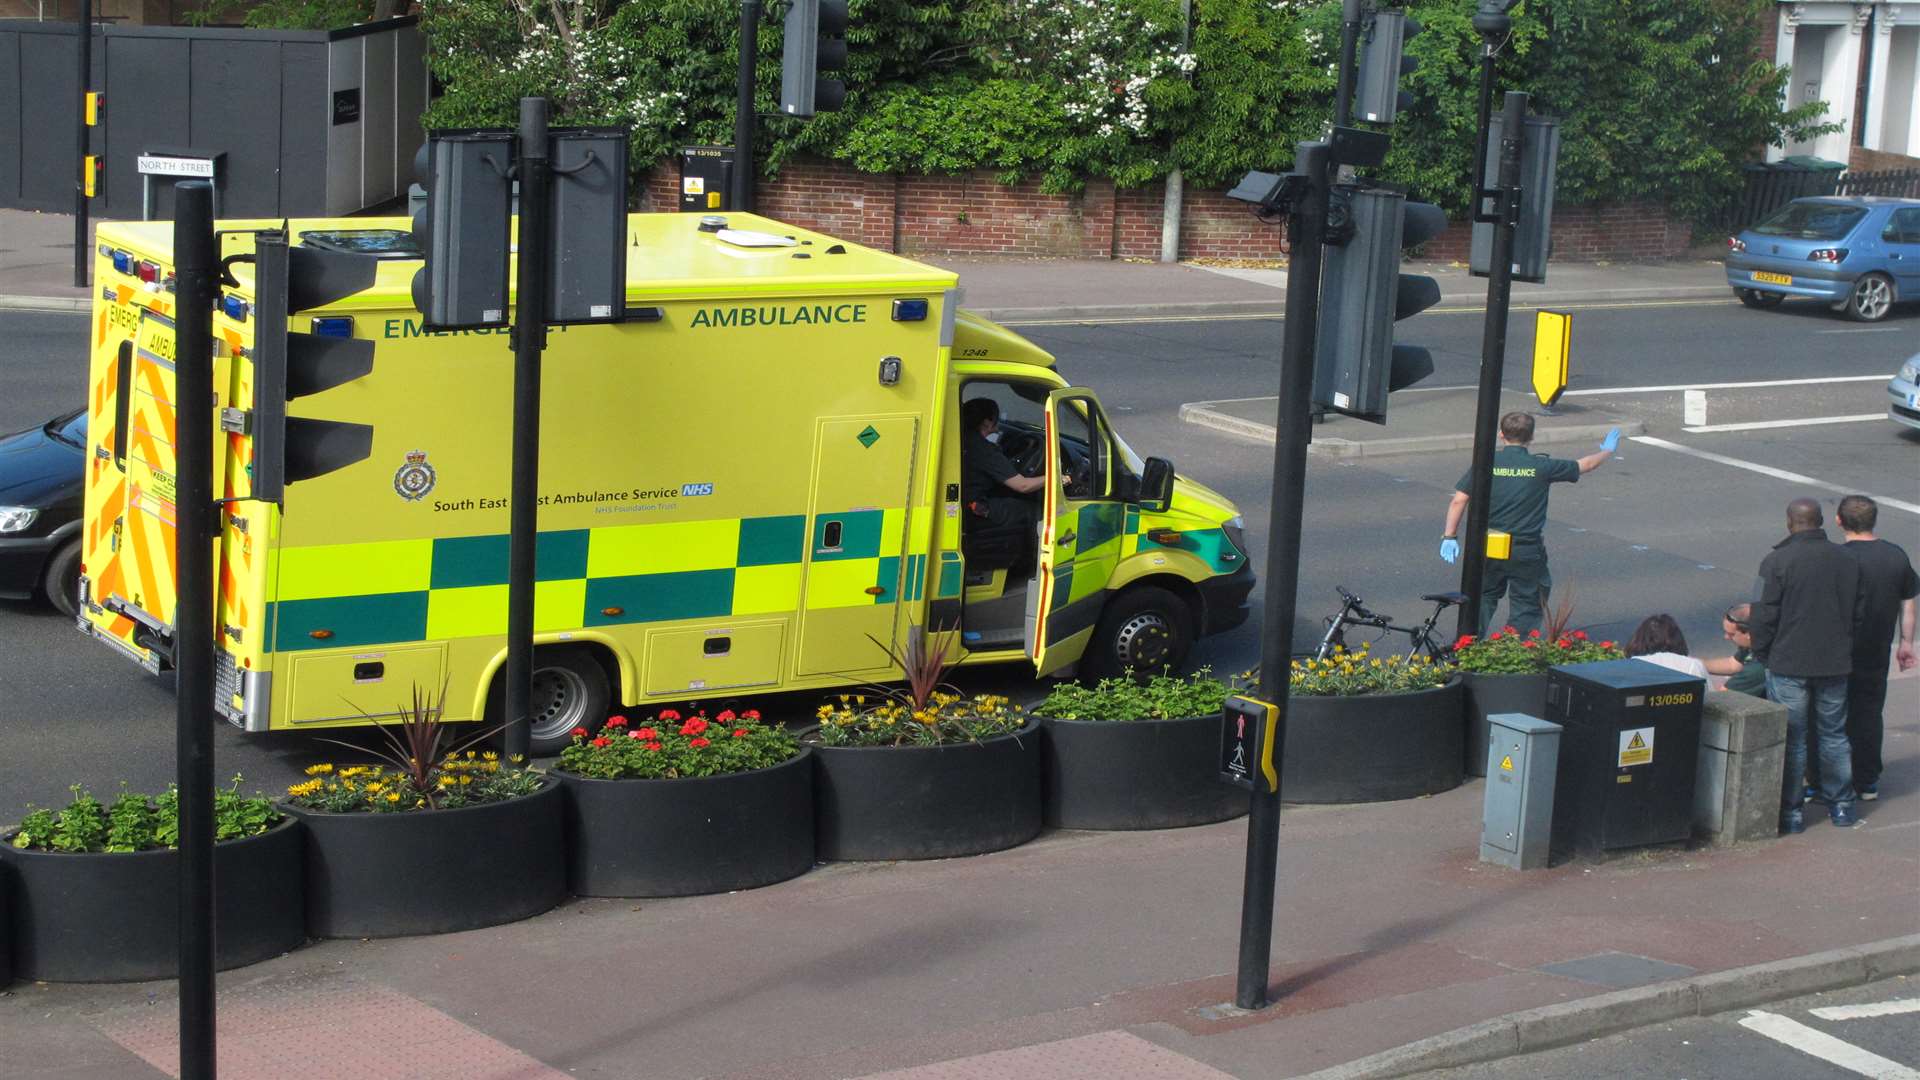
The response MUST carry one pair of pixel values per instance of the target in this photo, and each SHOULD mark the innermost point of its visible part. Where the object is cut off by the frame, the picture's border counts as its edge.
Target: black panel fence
(1769, 187)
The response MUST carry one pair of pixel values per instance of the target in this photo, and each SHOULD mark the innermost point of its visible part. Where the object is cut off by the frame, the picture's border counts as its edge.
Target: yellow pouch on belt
(1499, 544)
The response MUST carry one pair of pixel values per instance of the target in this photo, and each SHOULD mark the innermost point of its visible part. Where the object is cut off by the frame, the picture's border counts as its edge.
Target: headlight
(1235, 522)
(1909, 372)
(15, 519)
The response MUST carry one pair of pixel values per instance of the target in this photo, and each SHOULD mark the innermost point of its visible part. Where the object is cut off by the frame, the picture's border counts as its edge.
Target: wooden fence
(1769, 188)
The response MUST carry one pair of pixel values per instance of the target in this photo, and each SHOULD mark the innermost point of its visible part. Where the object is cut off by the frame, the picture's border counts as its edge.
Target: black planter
(6, 925)
(1373, 747)
(707, 834)
(927, 802)
(1135, 774)
(434, 871)
(1487, 695)
(115, 918)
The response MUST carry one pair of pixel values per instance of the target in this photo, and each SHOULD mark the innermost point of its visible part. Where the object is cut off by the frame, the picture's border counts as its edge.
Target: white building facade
(1863, 60)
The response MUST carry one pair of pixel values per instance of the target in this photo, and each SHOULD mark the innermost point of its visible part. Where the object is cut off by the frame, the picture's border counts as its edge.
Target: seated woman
(1659, 641)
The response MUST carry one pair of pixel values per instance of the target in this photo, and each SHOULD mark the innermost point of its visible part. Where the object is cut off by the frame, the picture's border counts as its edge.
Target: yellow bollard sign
(1552, 344)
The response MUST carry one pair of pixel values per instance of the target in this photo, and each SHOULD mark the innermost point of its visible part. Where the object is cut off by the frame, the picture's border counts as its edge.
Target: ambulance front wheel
(570, 690)
(1145, 630)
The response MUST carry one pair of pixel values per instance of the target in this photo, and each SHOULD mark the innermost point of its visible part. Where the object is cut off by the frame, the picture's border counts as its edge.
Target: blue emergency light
(909, 311)
(340, 326)
(123, 261)
(235, 307)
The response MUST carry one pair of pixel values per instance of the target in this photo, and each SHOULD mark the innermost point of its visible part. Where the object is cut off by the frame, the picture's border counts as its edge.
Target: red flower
(602, 742)
(651, 745)
(1533, 633)
(1564, 644)
(698, 743)
(726, 716)
(752, 714)
(1512, 632)
(579, 733)
(1495, 636)
(741, 733)
(647, 732)
(668, 716)
(1606, 644)
(616, 721)
(694, 726)
(1533, 645)
(1465, 640)
(1579, 635)
(635, 735)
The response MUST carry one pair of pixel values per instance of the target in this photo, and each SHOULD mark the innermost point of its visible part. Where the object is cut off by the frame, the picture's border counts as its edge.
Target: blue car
(1860, 254)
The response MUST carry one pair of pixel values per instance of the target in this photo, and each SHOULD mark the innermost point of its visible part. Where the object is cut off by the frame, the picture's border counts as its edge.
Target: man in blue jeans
(1803, 626)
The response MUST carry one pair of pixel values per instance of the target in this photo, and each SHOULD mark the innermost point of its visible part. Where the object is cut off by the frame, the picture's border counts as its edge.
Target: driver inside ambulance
(991, 483)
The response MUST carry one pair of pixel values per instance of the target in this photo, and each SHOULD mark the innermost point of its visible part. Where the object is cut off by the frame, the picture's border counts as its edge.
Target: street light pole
(529, 339)
(741, 197)
(1307, 225)
(1493, 340)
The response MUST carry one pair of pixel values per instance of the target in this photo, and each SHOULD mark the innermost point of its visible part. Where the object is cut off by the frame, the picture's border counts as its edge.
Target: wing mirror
(1156, 485)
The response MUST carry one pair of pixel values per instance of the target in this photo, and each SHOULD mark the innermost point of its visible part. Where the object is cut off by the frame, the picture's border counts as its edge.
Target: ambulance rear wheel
(570, 690)
(1145, 630)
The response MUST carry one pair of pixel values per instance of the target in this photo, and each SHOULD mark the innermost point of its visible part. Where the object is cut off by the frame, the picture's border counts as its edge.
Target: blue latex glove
(1449, 549)
(1611, 442)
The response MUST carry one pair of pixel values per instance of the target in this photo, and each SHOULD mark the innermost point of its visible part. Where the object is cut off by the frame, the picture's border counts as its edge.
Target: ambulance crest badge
(414, 479)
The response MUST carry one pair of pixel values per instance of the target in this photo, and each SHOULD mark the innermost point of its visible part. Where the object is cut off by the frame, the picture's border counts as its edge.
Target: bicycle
(1421, 638)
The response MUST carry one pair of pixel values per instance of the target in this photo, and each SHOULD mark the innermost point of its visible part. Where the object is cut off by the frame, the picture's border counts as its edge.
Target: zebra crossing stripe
(1819, 1044)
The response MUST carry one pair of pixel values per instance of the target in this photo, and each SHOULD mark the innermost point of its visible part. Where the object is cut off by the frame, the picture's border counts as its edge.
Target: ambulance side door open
(1082, 522)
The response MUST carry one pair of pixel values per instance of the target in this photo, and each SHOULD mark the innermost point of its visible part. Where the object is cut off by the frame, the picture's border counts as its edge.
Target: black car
(42, 493)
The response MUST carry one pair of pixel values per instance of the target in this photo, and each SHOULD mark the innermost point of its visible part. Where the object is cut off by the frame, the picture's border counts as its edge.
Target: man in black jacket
(1803, 626)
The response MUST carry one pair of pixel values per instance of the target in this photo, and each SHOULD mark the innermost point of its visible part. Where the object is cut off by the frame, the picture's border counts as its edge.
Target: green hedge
(1656, 96)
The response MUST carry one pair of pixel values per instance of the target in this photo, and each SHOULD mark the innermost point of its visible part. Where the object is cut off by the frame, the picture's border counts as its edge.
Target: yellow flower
(466, 779)
(490, 756)
(393, 796)
(1376, 663)
(824, 711)
(316, 770)
(445, 781)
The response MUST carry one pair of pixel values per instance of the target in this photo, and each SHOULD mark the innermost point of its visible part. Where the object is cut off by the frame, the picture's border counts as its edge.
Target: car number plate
(1773, 279)
(1913, 401)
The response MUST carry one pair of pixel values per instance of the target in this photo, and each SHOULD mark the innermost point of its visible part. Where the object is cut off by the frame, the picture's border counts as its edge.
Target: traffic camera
(1363, 293)
(815, 42)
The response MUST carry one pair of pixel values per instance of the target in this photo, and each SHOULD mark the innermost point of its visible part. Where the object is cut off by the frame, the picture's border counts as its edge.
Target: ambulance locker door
(147, 545)
(856, 531)
(1080, 532)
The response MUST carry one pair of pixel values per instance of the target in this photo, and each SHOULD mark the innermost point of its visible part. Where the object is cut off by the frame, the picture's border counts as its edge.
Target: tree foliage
(1655, 96)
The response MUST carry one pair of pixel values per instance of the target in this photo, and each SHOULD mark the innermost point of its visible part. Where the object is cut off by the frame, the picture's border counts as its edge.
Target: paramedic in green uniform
(1518, 506)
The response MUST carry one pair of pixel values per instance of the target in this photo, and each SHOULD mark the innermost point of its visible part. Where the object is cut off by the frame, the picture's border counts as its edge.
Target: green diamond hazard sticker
(868, 437)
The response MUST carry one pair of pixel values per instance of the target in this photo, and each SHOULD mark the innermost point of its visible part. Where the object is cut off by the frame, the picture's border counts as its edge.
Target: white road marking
(1767, 470)
(1859, 1012)
(1821, 1045)
(1812, 421)
(1726, 385)
(1865, 330)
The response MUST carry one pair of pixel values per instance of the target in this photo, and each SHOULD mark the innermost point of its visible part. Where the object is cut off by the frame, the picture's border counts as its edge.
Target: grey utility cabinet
(310, 123)
(1516, 824)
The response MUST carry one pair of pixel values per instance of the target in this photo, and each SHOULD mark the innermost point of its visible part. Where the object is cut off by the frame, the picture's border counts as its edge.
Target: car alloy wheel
(1871, 299)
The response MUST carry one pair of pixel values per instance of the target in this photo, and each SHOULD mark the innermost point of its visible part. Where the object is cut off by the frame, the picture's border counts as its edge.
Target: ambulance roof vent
(747, 238)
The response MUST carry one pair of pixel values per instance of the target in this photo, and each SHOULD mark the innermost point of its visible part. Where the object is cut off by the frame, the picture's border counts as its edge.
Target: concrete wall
(265, 99)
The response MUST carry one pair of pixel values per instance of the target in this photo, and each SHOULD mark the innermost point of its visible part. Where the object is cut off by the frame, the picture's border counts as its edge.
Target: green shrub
(1163, 697)
(136, 822)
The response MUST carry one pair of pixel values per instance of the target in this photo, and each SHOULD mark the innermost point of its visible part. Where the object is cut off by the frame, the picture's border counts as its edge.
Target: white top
(1686, 665)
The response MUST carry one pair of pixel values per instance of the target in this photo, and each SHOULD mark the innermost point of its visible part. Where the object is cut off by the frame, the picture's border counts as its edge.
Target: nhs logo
(696, 489)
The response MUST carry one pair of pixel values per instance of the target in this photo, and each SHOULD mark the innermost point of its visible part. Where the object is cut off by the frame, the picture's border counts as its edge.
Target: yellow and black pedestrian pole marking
(1552, 345)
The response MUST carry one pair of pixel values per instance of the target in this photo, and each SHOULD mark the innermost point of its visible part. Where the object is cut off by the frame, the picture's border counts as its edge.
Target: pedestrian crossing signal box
(1629, 744)
(706, 179)
(1249, 750)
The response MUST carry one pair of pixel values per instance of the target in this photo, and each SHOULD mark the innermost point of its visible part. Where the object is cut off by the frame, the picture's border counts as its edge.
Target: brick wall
(973, 214)
(1861, 159)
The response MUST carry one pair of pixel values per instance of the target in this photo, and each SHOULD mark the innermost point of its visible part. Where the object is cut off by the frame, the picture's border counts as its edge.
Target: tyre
(1144, 630)
(1871, 298)
(570, 690)
(1754, 298)
(62, 580)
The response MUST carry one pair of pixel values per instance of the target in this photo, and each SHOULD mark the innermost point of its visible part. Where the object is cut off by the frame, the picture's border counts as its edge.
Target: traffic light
(587, 274)
(1533, 234)
(463, 229)
(814, 43)
(1378, 97)
(289, 364)
(1363, 293)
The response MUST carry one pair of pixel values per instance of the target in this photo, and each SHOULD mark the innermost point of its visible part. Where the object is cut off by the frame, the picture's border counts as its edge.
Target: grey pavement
(1080, 955)
(1423, 422)
(36, 271)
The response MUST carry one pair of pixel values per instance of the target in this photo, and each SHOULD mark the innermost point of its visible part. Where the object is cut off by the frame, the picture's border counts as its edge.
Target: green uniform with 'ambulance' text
(1518, 506)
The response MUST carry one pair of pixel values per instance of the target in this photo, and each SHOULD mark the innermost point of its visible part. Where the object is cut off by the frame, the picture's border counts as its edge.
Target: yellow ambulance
(752, 483)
